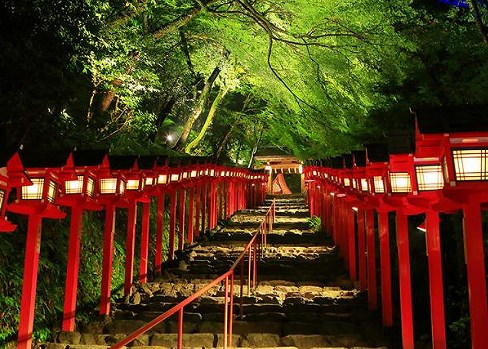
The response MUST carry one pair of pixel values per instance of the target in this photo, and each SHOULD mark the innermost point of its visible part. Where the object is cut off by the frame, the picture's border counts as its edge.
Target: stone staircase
(303, 299)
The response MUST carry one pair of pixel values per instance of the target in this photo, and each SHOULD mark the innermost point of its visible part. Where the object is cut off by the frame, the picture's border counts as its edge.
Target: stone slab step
(215, 340)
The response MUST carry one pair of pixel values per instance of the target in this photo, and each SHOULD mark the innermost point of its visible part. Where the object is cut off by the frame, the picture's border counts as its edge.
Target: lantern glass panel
(122, 187)
(364, 184)
(470, 164)
(193, 173)
(379, 186)
(90, 187)
(185, 175)
(400, 182)
(149, 181)
(429, 177)
(108, 185)
(132, 184)
(2, 198)
(74, 187)
(355, 183)
(175, 177)
(347, 182)
(51, 191)
(34, 191)
(445, 169)
(162, 179)
(212, 172)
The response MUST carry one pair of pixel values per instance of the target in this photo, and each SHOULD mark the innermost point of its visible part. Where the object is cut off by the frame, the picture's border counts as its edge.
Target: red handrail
(250, 249)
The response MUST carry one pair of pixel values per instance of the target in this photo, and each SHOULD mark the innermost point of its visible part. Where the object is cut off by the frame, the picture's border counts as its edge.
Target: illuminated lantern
(112, 187)
(78, 191)
(37, 188)
(462, 132)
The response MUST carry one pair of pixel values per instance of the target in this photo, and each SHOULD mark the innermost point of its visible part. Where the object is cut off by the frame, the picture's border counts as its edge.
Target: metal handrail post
(226, 310)
(241, 310)
(231, 307)
(180, 328)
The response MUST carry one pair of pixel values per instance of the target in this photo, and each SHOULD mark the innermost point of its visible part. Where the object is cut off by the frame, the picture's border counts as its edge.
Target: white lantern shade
(34, 191)
(132, 184)
(108, 185)
(400, 182)
(379, 185)
(470, 164)
(74, 186)
(429, 177)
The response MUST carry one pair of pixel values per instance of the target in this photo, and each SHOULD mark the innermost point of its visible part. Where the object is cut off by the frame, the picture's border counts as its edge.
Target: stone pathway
(304, 298)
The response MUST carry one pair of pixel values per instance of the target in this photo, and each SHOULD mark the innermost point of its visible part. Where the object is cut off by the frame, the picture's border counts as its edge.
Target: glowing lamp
(400, 182)
(376, 167)
(41, 191)
(401, 174)
(111, 180)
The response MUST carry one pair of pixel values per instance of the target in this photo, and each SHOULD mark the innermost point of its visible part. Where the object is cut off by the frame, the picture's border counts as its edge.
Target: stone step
(214, 340)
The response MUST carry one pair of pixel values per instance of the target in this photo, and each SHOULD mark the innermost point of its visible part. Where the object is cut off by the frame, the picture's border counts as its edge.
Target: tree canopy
(223, 77)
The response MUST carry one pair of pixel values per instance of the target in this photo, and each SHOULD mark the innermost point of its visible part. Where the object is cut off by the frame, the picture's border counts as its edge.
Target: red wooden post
(181, 224)
(405, 282)
(475, 264)
(204, 199)
(29, 285)
(172, 224)
(158, 257)
(144, 252)
(344, 231)
(435, 280)
(352, 244)
(71, 286)
(371, 257)
(108, 248)
(363, 283)
(130, 246)
(191, 214)
(385, 269)
(197, 209)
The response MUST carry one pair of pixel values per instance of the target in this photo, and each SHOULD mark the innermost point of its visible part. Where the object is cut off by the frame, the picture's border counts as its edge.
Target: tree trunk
(210, 116)
(162, 115)
(225, 140)
(479, 20)
(202, 101)
(255, 149)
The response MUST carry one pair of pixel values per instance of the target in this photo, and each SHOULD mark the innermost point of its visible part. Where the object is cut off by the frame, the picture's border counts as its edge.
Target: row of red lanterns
(90, 177)
(440, 167)
(94, 180)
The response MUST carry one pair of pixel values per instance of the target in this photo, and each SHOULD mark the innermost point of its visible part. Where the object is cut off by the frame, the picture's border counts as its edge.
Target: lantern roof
(401, 143)
(32, 158)
(348, 161)
(337, 162)
(451, 119)
(377, 152)
(89, 157)
(147, 162)
(359, 158)
(122, 162)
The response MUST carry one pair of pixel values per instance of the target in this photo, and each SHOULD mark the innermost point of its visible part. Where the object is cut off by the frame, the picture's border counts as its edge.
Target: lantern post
(376, 171)
(399, 186)
(126, 166)
(159, 190)
(464, 159)
(146, 165)
(37, 189)
(78, 191)
(111, 188)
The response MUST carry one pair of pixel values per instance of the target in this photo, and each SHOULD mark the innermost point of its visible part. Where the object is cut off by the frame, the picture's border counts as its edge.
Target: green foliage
(314, 223)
